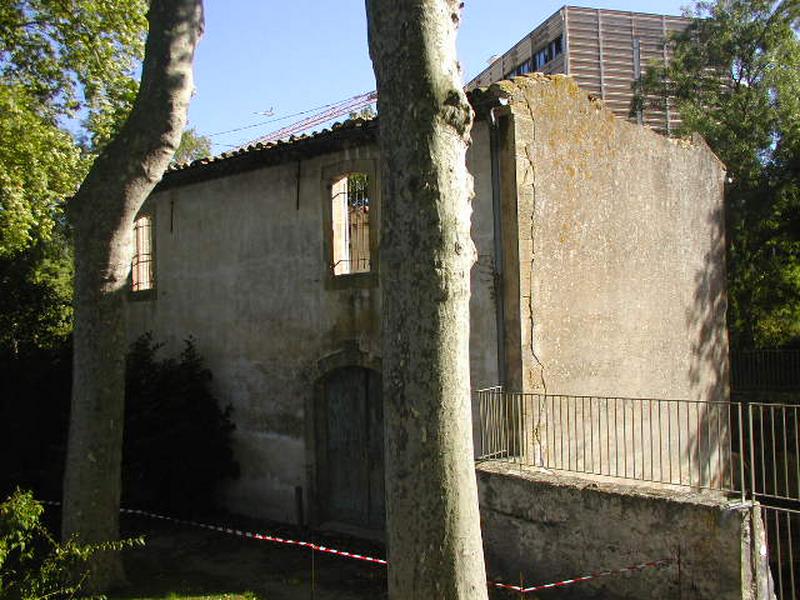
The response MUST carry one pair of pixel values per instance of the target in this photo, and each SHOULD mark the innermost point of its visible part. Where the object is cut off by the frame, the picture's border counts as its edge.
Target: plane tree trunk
(102, 214)
(433, 525)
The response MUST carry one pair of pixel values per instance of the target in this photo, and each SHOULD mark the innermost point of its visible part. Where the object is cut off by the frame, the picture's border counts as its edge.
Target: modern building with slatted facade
(605, 51)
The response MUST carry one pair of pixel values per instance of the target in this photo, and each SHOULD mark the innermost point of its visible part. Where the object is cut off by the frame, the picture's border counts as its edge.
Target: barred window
(350, 222)
(142, 264)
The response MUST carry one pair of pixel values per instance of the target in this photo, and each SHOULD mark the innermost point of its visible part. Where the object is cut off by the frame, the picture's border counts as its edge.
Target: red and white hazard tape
(245, 534)
(317, 548)
(257, 536)
(566, 582)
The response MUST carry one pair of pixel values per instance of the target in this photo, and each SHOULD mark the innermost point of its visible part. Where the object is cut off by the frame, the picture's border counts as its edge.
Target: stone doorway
(350, 440)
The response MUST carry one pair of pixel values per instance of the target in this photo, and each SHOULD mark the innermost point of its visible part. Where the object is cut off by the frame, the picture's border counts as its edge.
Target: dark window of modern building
(544, 55)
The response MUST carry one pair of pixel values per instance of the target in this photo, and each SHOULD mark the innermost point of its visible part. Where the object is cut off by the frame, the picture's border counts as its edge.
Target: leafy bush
(32, 564)
(177, 439)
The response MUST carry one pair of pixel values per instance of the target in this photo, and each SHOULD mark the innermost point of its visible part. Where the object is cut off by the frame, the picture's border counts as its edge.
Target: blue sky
(262, 55)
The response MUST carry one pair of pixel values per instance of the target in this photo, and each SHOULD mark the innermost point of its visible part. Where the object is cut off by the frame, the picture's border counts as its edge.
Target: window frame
(547, 53)
(150, 292)
(330, 174)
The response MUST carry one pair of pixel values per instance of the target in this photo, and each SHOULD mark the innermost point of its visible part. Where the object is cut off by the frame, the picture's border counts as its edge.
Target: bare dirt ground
(182, 562)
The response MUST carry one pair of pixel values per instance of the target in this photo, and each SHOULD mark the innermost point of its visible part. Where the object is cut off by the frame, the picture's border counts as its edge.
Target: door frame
(349, 356)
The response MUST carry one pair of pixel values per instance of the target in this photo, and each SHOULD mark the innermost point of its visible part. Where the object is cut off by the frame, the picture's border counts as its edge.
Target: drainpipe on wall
(494, 153)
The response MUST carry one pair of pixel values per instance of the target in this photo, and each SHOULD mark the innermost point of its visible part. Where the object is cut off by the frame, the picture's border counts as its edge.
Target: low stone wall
(548, 527)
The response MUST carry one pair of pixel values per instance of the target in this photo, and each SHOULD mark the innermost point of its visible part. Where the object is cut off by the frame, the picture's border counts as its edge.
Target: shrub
(32, 564)
(177, 439)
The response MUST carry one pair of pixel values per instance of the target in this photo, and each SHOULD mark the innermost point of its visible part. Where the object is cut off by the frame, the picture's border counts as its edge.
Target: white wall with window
(142, 271)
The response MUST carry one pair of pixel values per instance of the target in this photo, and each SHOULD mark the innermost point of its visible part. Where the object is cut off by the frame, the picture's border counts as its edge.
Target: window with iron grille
(142, 263)
(350, 223)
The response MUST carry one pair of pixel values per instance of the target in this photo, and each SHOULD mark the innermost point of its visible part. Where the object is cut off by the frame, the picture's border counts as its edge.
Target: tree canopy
(193, 146)
(40, 165)
(66, 72)
(36, 303)
(67, 80)
(735, 79)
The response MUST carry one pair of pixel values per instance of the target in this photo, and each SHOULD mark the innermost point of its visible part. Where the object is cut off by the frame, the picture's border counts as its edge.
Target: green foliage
(40, 165)
(36, 306)
(735, 79)
(66, 69)
(61, 62)
(33, 565)
(72, 55)
(35, 364)
(193, 146)
(368, 112)
(177, 440)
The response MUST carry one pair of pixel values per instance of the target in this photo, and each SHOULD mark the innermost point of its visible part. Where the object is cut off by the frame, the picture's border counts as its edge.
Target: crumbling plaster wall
(483, 315)
(621, 251)
(241, 266)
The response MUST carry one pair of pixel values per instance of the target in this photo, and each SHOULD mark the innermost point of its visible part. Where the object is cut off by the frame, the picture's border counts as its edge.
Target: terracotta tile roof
(349, 133)
(352, 132)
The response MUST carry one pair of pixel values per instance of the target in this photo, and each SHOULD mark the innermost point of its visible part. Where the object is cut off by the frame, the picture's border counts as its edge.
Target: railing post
(742, 485)
(752, 452)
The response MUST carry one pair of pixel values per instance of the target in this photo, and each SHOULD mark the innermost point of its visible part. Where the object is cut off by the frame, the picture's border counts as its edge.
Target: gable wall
(621, 243)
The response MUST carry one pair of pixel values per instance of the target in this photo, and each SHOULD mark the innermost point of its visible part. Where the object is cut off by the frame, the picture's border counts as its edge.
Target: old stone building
(600, 271)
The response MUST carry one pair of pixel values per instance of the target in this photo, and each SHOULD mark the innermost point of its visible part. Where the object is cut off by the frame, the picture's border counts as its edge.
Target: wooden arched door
(351, 466)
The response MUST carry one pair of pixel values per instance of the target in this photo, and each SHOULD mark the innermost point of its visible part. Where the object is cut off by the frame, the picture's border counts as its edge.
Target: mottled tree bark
(102, 215)
(433, 524)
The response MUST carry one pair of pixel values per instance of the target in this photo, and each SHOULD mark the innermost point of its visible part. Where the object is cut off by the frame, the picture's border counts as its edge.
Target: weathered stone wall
(613, 277)
(621, 251)
(548, 528)
(241, 266)
(483, 311)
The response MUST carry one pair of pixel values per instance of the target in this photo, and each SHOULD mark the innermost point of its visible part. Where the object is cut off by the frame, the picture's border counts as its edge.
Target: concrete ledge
(549, 526)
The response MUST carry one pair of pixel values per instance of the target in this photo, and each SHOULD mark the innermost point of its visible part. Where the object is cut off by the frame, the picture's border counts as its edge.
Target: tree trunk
(433, 524)
(102, 214)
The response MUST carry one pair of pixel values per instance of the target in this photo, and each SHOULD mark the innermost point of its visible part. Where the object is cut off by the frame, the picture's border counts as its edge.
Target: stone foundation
(549, 527)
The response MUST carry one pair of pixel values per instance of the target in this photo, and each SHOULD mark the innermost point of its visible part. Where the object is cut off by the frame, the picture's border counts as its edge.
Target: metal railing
(781, 532)
(749, 449)
(677, 442)
(774, 451)
(351, 266)
(766, 369)
(773, 464)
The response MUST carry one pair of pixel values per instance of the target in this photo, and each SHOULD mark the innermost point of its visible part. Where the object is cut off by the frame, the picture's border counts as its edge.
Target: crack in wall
(532, 168)
(538, 450)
